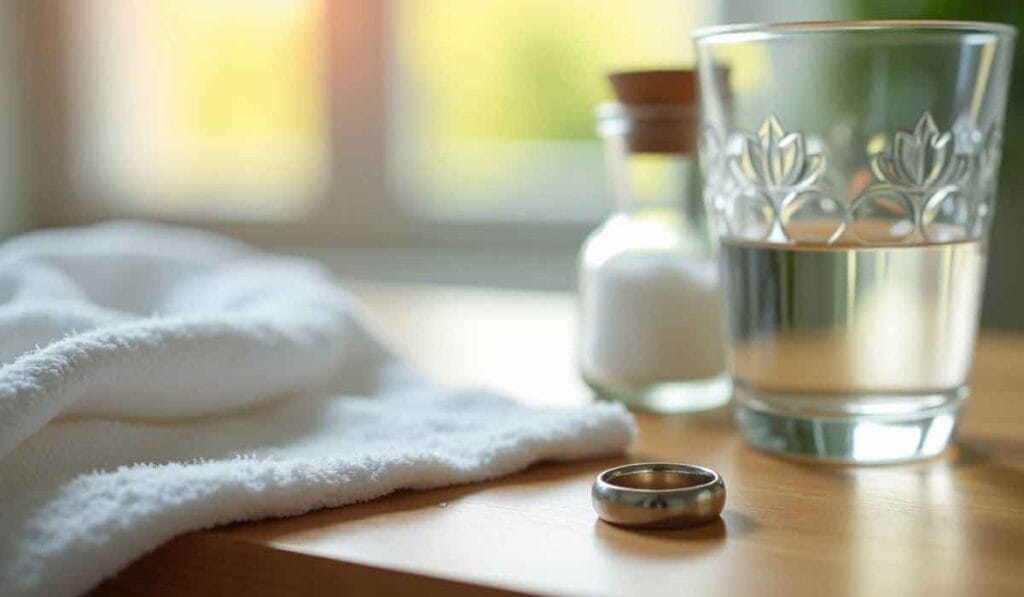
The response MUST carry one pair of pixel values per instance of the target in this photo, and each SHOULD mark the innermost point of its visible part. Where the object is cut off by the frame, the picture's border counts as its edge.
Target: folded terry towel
(156, 380)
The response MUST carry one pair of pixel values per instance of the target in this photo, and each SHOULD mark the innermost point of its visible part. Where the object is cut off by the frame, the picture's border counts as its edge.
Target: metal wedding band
(658, 495)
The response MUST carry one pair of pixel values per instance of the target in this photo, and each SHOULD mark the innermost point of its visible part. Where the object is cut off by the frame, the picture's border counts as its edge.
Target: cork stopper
(658, 109)
(677, 87)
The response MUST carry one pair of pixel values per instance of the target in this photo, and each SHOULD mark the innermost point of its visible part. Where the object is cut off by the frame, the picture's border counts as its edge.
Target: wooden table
(953, 525)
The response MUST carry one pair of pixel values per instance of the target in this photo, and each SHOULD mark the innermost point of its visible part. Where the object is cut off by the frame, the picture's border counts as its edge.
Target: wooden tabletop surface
(952, 525)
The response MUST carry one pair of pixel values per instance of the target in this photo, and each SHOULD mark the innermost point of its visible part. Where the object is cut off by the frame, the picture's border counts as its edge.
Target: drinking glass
(850, 175)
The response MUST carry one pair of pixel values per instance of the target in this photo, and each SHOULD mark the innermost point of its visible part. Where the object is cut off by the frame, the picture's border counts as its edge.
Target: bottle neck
(664, 185)
(650, 154)
(641, 181)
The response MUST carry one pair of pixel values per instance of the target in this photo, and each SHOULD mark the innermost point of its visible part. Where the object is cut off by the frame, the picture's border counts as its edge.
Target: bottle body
(649, 315)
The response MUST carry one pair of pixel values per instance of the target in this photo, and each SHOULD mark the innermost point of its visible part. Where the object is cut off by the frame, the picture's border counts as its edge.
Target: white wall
(13, 204)
(780, 11)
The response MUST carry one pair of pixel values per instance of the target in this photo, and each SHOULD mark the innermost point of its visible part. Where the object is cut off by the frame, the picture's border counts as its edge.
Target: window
(339, 119)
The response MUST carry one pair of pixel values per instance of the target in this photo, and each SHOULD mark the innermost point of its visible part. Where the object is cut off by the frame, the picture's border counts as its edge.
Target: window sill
(533, 269)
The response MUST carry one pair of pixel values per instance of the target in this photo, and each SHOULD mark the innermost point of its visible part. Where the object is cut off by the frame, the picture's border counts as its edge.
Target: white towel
(156, 380)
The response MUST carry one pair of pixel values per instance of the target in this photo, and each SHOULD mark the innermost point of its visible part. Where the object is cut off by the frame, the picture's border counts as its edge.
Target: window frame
(360, 208)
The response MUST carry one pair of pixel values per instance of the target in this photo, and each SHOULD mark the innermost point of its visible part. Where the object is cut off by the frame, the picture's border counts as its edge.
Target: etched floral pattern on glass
(926, 185)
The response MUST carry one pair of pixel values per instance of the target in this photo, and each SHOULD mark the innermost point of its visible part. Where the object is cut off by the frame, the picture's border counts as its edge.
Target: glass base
(668, 397)
(855, 433)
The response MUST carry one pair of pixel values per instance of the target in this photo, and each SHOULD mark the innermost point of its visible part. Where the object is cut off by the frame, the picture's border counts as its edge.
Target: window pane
(199, 107)
(493, 101)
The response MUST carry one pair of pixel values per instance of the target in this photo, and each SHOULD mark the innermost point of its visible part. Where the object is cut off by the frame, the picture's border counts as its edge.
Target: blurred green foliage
(1000, 11)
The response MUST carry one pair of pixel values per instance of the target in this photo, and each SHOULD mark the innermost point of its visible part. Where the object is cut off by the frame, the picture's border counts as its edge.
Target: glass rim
(772, 30)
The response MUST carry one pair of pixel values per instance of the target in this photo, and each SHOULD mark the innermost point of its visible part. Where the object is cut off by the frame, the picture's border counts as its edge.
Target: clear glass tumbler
(850, 172)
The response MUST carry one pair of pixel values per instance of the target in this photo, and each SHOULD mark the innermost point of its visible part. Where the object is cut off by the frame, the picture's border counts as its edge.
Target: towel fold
(157, 380)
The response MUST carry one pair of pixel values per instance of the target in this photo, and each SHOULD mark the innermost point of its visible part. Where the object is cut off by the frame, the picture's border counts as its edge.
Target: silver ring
(658, 495)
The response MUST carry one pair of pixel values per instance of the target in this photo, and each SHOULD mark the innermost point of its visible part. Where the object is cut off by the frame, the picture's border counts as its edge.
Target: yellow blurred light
(499, 96)
(221, 106)
(749, 66)
(533, 68)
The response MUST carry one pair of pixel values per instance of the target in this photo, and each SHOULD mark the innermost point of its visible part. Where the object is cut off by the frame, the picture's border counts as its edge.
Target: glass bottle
(650, 329)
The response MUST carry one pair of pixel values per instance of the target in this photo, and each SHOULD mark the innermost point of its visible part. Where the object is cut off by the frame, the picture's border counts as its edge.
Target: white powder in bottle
(651, 318)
